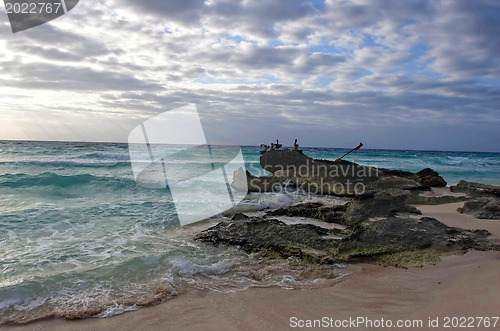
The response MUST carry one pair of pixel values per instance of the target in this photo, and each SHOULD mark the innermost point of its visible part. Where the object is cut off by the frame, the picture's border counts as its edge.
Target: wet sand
(458, 286)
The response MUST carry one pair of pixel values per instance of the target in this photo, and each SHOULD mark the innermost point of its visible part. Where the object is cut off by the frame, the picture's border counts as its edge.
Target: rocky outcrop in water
(376, 219)
(293, 169)
(430, 178)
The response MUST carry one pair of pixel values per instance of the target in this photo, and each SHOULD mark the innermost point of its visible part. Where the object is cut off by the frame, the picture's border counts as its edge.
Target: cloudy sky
(392, 74)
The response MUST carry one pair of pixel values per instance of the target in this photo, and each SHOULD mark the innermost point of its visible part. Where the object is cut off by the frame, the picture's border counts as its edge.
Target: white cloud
(260, 69)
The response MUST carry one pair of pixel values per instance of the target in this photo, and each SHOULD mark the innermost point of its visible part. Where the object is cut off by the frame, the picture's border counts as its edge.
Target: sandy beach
(458, 286)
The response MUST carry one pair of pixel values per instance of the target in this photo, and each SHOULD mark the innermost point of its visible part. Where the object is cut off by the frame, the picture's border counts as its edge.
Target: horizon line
(126, 143)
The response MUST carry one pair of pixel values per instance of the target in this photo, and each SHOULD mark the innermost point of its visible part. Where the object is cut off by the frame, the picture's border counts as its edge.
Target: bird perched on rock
(278, 145)
(295, 145)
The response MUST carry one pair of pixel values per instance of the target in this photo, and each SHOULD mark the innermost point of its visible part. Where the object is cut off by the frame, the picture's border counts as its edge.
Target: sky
(393, 74)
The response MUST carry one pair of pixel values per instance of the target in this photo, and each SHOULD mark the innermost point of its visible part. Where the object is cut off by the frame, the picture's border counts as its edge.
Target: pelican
(278, 145)
(295, 145)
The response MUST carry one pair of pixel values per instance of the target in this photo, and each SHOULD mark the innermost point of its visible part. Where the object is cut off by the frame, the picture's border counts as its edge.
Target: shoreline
(457, 286)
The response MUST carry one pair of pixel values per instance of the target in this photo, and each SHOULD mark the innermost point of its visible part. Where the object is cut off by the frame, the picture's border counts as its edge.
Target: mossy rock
(392, 241)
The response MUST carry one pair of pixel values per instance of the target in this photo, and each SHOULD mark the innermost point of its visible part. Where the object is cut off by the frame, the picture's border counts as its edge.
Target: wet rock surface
(376, 223)
(391, 241)
(381, 204)
(342, 178)
(273, 238)
(484, 202)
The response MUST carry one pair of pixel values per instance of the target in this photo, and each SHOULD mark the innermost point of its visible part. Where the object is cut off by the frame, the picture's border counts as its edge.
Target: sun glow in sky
(393, 74)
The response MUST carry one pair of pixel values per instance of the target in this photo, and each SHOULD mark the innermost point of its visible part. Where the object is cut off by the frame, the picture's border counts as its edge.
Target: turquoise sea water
(79, 237)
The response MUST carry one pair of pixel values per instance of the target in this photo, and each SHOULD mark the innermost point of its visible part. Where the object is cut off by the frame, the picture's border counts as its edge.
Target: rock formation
(484, 202)
(476, 189)
(293, 169)
(376, 223)
(391, 241)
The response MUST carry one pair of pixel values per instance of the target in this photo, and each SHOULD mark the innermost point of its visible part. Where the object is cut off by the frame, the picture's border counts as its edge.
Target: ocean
(79, 237)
